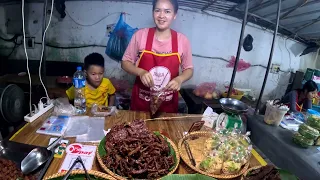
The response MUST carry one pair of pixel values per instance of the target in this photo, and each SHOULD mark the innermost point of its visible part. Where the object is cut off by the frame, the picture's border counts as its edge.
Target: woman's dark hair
(174, 3)
(310, 86)
(93, 59)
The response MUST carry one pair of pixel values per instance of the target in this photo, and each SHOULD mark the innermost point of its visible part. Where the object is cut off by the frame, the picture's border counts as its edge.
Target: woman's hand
(174, 84)
(146, 78)
(144, 75)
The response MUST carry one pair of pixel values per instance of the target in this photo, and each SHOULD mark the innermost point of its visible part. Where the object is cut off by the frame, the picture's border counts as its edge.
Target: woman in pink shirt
(155, 56)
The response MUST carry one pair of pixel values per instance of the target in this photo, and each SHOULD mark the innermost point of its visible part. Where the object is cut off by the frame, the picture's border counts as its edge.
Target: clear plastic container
(274, 115)
(102, 111)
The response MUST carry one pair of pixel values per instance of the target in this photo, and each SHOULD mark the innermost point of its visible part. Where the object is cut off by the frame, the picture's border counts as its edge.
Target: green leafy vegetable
(302, 141)
(285, 175)
(206, 164)
(101, 150)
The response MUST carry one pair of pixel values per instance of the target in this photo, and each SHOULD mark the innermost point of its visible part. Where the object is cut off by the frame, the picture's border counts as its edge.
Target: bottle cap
(79, 68)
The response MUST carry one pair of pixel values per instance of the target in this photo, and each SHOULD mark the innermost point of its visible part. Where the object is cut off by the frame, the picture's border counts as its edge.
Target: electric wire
(27, 58)
(42, 50)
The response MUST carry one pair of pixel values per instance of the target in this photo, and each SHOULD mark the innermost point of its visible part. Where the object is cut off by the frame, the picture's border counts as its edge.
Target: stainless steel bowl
(233, 106)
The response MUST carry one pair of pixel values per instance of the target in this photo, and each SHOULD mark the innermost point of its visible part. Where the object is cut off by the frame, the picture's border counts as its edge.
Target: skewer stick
(178, 117)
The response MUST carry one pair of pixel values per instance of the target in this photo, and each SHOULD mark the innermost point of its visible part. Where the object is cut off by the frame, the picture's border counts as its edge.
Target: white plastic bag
(63, 107)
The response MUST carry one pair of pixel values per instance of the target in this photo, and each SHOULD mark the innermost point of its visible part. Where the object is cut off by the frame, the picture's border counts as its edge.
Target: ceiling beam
(297, 22)
(290, 8)
(263, 5)
(267, 23)
(308, 3)
(308, 33)
(298, 5)
(238, 5)
(287, 9)
(307, 25)
(208, 5)
(302, 14)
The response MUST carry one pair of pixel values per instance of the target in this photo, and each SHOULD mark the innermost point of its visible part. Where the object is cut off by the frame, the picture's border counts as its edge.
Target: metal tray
(17, 151)
(233, 106)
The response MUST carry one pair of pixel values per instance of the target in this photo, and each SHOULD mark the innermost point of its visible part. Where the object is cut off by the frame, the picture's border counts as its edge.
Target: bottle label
(79, 83)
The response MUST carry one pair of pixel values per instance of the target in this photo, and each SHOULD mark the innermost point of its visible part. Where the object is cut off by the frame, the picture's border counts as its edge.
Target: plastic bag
(78, 125)
(205, 90)
(85, 128)
(119, 39)
(63, 107)
(95, 131)
(156, 99)
(103, 111)
(242, 65)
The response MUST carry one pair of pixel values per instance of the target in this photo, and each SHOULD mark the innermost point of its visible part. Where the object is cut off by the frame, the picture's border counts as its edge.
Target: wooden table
(173, 128)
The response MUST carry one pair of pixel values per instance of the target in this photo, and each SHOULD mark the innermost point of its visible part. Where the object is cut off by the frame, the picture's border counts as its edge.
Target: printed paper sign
(86, 153)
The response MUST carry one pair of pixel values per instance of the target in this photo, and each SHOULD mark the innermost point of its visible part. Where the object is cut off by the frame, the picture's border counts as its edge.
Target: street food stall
(125, 144)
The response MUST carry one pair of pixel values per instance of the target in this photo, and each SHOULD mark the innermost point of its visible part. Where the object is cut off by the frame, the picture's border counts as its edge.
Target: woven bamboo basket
(107, 170)
(185, 157)
(76, 172)
(250, 169)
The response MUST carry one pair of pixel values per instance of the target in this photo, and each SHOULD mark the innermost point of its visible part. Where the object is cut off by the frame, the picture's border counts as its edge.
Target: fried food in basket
(9, 171)
(135, 152)
(268, 172)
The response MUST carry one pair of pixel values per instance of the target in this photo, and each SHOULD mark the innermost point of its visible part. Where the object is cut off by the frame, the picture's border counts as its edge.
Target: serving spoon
(37, 157)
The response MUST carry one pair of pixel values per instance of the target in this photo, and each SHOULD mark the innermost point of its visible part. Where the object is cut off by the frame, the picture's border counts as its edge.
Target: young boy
(98, 90)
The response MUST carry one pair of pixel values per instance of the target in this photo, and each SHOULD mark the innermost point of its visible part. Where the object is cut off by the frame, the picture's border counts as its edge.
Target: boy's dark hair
(174, 3)
(93, 59)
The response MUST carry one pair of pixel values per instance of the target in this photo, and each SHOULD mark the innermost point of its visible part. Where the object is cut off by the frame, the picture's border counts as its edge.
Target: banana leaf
(285, 175)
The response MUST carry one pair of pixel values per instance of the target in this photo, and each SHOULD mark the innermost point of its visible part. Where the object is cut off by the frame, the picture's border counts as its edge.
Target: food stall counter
(172, 128)
(276, 143)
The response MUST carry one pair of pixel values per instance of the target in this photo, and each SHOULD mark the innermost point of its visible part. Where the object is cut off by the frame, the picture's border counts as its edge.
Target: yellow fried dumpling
(231, 167)
(217, 166)
(211, 165)
(208, 144)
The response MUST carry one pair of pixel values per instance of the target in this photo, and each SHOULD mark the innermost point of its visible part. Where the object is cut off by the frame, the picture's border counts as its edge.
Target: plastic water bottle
(79, 82)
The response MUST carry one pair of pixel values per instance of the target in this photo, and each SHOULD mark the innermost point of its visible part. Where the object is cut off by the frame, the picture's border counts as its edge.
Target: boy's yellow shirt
(96, 96)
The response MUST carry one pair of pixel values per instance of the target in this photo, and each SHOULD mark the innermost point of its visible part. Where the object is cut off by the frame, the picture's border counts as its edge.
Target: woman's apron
(163, 68)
